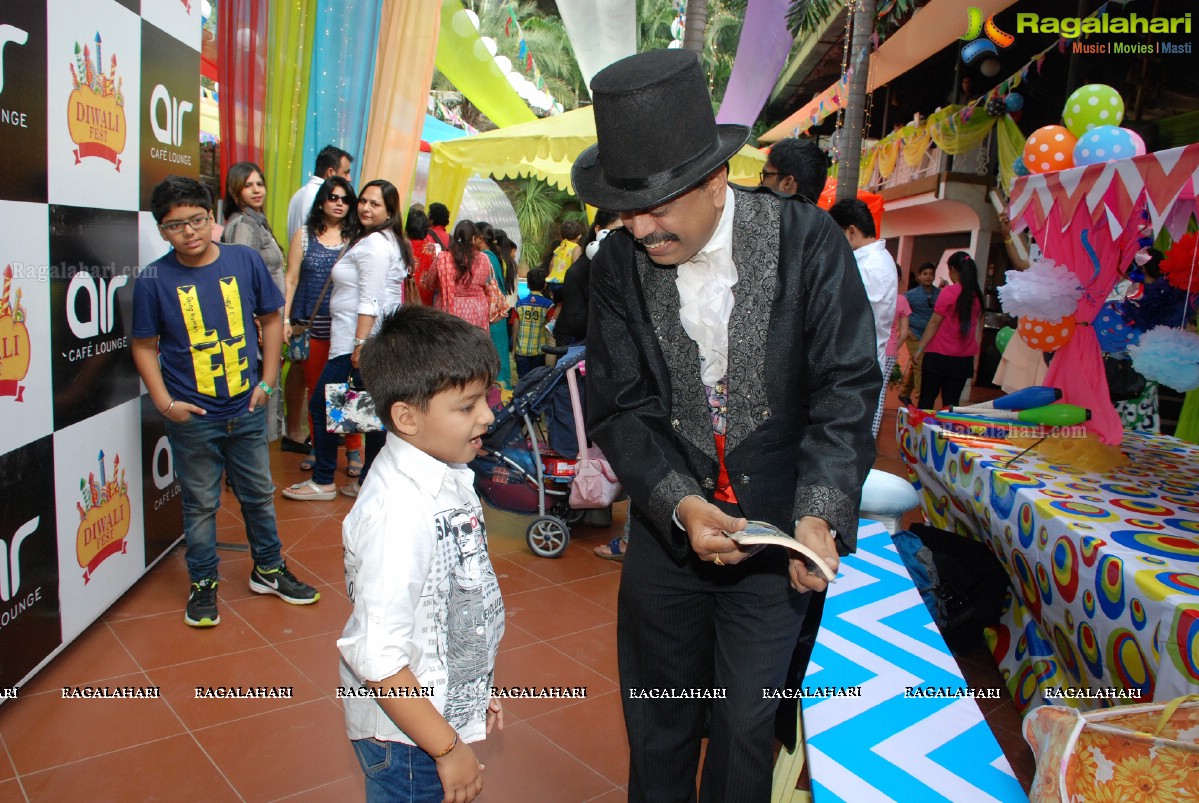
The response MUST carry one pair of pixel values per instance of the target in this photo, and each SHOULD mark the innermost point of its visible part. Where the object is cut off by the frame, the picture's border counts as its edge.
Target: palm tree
(694, 22)
(855, 110)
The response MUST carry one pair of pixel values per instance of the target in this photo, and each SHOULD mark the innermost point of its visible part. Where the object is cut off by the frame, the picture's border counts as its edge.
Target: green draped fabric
(290, 26)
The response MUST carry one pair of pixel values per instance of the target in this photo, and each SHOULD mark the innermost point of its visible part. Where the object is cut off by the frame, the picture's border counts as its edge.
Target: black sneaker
(283, 584)
(201, 605)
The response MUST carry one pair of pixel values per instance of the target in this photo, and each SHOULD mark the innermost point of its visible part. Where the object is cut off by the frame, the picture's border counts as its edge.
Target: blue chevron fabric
(887, 714)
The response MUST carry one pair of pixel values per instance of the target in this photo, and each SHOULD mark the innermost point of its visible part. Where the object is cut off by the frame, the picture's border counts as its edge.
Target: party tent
(544, 148)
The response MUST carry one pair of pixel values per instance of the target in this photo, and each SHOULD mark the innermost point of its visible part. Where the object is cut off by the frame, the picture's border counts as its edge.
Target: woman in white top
(368, 283)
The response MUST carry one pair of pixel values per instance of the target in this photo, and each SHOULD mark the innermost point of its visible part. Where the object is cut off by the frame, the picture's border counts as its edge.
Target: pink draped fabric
(241, 48)
(1097, 260)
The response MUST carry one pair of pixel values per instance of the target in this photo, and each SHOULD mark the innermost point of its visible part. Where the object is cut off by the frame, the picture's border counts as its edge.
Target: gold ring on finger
(718, 561)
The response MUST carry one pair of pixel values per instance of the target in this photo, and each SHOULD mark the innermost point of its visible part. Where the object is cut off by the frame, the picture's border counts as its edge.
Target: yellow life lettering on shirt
(211, 357)
(189, 304)
(236, 365)
(232, 298)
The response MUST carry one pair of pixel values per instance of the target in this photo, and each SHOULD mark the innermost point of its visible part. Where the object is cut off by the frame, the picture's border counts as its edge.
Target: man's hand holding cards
(815, 563)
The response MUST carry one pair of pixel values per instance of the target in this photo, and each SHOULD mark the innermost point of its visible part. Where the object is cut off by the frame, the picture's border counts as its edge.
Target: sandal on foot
(308, 463)
(613, 550)
(353, 464)
(351, 490)
(309, 491)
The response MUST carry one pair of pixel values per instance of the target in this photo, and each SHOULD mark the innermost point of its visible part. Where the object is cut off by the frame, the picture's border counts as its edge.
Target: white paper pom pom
(1045, 291)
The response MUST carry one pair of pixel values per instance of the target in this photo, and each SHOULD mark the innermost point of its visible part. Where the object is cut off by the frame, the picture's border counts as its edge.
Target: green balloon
(1091, 106)
(1002, 337)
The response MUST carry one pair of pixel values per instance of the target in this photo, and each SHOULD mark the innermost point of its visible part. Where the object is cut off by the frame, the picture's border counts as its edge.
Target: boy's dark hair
(420, 351)
(330, 159)
(439, 214)
(536, 279)
(803, 160)
(926, 266)
(854, 212)
(175, 191)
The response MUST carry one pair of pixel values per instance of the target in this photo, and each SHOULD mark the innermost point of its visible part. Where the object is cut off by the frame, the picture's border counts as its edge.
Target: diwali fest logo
(96, 107)
(103, 517)
(976, 27)
(14, 342)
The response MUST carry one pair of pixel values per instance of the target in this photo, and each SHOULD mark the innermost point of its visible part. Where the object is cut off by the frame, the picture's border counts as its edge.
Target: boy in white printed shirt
(427, 608)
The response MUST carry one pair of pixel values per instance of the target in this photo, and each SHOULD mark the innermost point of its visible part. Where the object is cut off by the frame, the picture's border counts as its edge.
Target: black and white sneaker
(201, 605)
(283, 584)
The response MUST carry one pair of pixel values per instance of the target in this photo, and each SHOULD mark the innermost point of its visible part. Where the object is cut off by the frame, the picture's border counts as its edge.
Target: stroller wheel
(548, 536)
(568, 514)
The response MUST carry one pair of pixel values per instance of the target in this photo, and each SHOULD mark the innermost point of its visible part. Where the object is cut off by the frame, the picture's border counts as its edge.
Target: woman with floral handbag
(332, 222)
(367, 283)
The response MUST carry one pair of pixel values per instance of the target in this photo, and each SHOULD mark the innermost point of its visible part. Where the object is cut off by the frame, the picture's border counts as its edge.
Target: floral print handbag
(349, 409)
(1127, 753)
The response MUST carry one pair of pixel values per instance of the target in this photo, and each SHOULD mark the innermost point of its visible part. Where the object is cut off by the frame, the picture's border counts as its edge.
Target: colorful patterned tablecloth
(869, 738)
(1105, 567)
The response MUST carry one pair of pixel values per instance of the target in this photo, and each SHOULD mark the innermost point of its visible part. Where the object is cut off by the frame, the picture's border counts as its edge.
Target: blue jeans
(398, 773)
(204, 450)
(324, 443)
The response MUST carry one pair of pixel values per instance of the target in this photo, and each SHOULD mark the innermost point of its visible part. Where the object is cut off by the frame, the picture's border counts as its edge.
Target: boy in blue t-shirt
(195, 346)
(531, 314)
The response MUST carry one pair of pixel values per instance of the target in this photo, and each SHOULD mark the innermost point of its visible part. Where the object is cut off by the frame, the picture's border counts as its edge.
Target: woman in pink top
(950, 340)
(460, 275)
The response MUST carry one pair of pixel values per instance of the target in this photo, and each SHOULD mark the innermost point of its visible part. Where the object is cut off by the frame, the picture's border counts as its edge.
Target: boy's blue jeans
(205, 450)
(398, 773)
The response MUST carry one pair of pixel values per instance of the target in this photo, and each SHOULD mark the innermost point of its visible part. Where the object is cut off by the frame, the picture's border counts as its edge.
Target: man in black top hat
(731, 375)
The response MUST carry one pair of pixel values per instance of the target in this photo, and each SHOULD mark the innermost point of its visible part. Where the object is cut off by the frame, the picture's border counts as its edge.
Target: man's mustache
(657, 239)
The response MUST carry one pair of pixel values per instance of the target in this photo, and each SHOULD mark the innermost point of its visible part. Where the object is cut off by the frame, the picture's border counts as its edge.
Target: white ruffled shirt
(705, 284)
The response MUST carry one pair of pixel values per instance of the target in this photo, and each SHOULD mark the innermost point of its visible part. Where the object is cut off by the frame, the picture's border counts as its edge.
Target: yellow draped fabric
(916, 142)
(464, 60)
(866, 171)
(544, 148)
(289, 32)
(888, 155)
(403, 72)
(1011, 148)
(956, 135)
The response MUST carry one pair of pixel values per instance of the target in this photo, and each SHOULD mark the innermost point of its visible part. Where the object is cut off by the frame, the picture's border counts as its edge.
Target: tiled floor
(561, 632)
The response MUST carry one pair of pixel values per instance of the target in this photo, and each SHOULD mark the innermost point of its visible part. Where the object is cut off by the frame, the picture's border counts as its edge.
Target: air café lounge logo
(14, 342)
(103, 517)
(96, 107)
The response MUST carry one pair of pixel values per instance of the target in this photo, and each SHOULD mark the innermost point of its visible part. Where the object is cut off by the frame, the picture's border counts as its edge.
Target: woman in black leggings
(950, 342)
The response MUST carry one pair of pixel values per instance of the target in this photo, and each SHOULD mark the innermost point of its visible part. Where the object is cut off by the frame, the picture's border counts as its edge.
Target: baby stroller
(527, 467)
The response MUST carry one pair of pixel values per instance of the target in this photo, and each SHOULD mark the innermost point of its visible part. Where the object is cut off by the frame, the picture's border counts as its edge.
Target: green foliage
(805, 17)
(540, 207)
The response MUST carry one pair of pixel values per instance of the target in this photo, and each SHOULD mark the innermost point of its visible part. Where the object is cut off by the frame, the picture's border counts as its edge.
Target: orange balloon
(1044, 336)
(1049, 148)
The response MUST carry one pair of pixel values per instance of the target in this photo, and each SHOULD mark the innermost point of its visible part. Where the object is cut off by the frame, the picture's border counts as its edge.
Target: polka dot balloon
(1091, 106)
(1103, 144)
(1049, 148)
(1045, 336)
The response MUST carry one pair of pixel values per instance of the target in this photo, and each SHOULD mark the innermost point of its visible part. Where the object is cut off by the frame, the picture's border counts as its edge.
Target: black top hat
(657, 135)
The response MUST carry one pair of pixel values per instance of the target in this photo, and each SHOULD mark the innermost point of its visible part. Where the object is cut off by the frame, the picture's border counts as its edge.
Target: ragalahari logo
(975, 27)
(14, 342)
(96, 107)
(9, 33)
(10, 570)
(103, 517)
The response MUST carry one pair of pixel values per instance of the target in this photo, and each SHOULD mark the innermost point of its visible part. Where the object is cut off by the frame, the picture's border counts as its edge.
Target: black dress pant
(703, 627)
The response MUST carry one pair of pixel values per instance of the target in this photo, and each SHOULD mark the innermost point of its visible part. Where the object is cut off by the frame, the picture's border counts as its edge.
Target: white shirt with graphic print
(424, 592)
